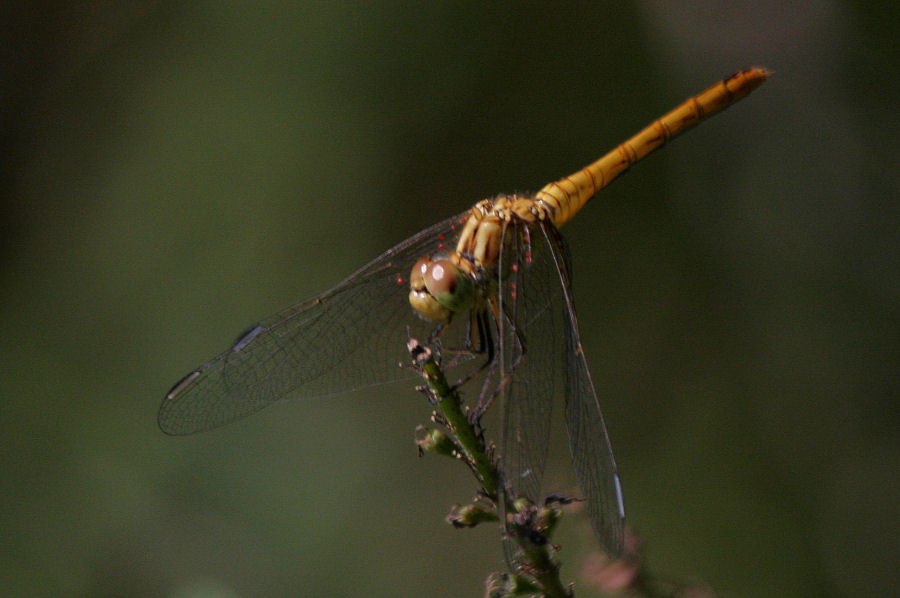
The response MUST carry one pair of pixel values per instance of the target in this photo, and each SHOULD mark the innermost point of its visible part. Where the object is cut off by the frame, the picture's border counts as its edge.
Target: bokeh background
(173, 171)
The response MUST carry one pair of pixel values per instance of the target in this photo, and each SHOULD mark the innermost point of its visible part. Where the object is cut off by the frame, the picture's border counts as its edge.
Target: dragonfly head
(439, 289)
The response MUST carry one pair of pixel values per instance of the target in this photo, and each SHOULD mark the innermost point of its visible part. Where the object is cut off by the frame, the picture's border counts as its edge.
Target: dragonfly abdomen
(566, 196)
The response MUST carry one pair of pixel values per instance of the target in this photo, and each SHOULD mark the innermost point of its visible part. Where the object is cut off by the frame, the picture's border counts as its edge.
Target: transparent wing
(592, 456)
(532, 356)
(532, 352)
(542, 349)
(349, 337)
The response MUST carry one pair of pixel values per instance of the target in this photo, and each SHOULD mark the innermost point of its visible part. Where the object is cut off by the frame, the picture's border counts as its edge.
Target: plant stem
(470, 442)
(467, 437)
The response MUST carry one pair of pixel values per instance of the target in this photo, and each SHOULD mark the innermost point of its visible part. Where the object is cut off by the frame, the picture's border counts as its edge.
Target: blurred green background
(174, 171)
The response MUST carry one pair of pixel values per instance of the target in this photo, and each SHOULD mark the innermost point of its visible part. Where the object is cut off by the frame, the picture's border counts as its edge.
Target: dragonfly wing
(541, 348)
(349, 337)
(592, 456)
(532, 352)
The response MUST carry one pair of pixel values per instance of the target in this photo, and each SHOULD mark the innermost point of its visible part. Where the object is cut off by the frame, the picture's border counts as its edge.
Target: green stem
(467, 437)
(470, 442)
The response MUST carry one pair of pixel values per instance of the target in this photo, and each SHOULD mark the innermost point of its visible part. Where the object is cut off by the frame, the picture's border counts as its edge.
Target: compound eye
(417, 274)
(439, 289)
(449, 285)
(441, 277)
(428, 307)
(425, 304)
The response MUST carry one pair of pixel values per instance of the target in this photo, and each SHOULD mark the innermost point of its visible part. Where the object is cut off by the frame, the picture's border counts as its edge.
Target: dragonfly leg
(481, 322)
(459, 355)
(487, 396)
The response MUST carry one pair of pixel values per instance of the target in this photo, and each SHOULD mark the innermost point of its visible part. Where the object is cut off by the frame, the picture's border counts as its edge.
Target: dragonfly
(491, 287)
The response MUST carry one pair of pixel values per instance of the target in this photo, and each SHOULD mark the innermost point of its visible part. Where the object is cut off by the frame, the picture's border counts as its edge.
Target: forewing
(349, 337)
(541, 349)
(592, 457)
(532, 354)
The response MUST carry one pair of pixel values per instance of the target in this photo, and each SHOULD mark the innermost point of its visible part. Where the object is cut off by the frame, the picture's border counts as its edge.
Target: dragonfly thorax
(441, 286)
(482, 235)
